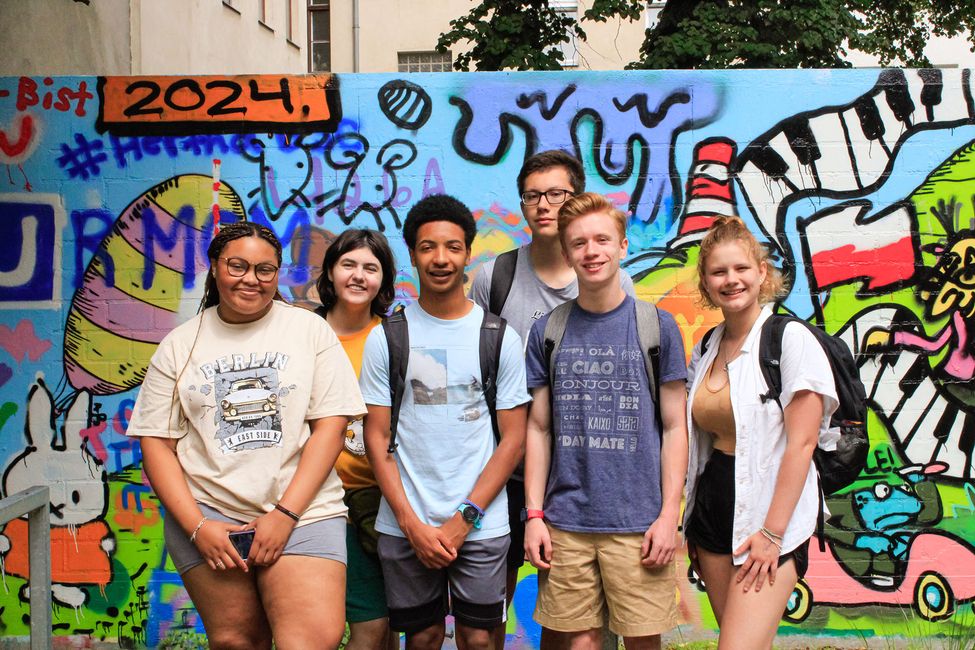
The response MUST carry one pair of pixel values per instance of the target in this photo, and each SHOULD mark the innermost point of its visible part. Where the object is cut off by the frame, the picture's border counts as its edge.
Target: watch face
(469, 513)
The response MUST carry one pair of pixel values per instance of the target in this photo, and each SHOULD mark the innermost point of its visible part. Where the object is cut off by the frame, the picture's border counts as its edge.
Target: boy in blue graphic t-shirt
(603, 483)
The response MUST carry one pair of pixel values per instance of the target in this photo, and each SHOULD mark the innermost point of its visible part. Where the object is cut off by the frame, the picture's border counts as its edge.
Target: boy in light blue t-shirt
(443, 521)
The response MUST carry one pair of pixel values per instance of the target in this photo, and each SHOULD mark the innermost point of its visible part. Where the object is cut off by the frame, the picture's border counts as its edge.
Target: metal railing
(34, 502)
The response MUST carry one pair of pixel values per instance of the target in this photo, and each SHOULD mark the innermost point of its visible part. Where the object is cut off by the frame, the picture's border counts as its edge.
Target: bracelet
(534, 514)
(282, 509)
(769, 533)
(197, 529)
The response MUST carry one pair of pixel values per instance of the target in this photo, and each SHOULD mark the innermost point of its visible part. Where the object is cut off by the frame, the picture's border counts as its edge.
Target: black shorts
(516, 502)
(712, 521)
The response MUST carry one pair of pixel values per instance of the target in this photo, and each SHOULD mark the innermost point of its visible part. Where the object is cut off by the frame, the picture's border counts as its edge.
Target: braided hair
(228, 233)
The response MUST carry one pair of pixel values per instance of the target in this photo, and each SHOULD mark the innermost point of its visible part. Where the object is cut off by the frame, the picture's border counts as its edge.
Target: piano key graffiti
(861, 182)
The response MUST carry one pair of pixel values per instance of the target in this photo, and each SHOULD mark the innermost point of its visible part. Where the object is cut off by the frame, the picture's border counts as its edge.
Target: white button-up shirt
(760, 436)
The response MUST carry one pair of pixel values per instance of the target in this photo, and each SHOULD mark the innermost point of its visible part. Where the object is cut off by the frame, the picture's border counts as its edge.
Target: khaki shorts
(596, 573)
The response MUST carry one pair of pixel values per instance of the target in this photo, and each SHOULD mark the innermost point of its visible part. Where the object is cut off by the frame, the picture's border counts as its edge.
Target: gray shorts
(418, 596)
(324, 539)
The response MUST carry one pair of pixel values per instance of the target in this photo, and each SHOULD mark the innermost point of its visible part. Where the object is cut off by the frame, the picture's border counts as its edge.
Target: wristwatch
(471, 513)
(527, 514)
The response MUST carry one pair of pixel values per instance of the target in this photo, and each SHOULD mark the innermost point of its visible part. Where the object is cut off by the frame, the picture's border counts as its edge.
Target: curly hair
(228, 233)
(351, 240)
(550, 159)
(439, 207)
(733, 229)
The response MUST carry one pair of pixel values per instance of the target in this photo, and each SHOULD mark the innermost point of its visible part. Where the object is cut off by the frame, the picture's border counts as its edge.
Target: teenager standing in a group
(541, 280)
(752, 491)
(356, 288)
(443, 521)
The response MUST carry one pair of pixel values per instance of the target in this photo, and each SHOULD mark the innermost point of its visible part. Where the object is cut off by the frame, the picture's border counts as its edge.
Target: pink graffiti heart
(22, 342)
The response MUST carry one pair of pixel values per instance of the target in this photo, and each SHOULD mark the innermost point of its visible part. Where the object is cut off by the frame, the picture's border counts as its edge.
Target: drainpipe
(355, 35)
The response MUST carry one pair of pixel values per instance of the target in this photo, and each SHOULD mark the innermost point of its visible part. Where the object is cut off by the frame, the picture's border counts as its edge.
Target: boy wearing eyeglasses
(542, 280)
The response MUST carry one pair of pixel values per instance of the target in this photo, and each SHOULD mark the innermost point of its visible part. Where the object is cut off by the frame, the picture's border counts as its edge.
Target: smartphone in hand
(242, 540)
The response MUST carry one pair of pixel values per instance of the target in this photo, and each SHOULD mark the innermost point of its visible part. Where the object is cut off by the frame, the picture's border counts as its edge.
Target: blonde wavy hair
(733, 229)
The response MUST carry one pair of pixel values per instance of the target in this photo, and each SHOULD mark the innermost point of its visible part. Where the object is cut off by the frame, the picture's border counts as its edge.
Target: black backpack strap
(706, 339)
(397, 334)
(501, 279)
(554, 331)
(489, 351)
(770, 353)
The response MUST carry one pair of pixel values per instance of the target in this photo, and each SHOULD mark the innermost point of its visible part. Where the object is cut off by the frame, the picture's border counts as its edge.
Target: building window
(653, 12)
(424, 61)
(319, 36)
(570, 50)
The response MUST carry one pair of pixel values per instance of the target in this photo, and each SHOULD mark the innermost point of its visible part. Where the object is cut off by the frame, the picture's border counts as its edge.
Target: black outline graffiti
(525, 101)
(601, 154)
(395, 94)
(893, 88)
(505, 120)
(651, 119)
(390, 158)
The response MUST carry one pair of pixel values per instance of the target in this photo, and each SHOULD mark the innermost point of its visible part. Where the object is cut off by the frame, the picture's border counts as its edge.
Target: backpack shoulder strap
(398, 343)
(706, 339)
(770, 353)
(554, 331)
(489, 351)
(648, 331)
(501, 280)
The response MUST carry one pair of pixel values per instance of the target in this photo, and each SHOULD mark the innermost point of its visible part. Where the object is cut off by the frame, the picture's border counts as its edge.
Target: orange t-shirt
(352, 465)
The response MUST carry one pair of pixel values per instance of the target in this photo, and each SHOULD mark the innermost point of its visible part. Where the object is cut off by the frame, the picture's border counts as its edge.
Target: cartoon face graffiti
(951, 285)
(886, 507)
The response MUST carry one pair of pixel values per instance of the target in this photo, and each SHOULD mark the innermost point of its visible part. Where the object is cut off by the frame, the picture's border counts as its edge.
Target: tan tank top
(712, 413)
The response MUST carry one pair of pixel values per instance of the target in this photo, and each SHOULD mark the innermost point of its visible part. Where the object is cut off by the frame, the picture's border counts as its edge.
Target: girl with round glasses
(241, 417)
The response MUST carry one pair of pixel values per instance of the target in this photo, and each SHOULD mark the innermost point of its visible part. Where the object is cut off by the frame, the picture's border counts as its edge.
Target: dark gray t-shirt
(605, 471)
(530, 298)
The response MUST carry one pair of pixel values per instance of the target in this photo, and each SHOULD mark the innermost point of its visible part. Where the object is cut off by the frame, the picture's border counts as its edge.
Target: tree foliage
(528, 34)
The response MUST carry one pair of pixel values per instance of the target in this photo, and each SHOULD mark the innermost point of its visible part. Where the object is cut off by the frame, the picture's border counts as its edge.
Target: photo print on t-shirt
(598, 397)
(248, 409)
(355, 442)
(462, 397)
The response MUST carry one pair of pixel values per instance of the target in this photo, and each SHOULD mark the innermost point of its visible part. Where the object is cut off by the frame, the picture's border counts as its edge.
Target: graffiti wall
(862, 182)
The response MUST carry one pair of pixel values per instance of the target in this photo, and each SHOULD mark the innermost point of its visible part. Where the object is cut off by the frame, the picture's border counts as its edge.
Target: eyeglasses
(238, 267)
(554, 197)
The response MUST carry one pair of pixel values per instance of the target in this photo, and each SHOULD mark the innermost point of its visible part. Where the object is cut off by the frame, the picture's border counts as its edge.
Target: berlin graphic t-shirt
(244, 397)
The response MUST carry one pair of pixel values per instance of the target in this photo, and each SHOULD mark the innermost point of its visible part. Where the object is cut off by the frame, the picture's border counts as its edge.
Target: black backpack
(839, 467)
(398, 343)
(501, 279)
